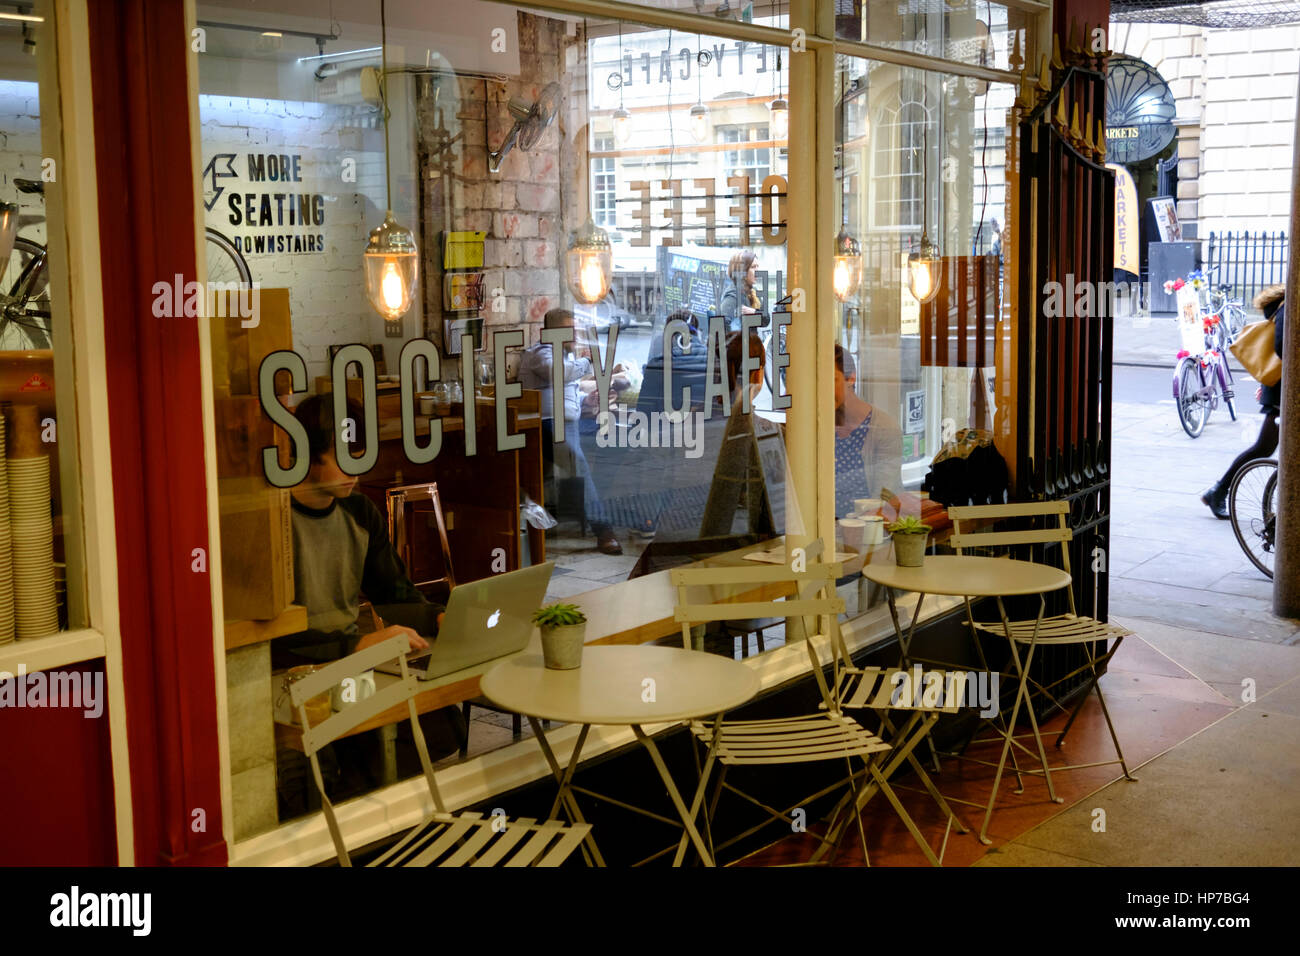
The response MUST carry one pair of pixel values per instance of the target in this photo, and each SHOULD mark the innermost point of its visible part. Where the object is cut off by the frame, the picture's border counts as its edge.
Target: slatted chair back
(883, 688)
(349, 668)
(1049, 533)
(813, 599)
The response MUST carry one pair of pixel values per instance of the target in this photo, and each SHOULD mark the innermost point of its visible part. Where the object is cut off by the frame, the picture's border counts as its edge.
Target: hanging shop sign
(1139, 111)
(1127, 217)
(259, 201)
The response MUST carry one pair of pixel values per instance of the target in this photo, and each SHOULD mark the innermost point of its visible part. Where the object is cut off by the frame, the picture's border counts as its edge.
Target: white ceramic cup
(866, 506)
(426, 404)
(852, 531)
(874, 532)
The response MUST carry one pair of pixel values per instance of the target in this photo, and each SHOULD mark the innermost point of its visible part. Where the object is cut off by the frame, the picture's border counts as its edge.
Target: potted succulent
(910, 537)
(564, 630)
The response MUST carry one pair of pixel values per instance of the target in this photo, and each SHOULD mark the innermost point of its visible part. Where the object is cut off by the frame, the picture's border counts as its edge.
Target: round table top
(968, 575)
(610, 687)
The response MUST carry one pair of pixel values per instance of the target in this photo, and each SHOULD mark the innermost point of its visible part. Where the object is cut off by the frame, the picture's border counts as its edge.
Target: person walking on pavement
(1271, 303)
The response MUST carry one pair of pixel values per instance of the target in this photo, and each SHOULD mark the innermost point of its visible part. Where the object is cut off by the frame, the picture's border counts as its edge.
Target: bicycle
(1201, 379)
(1252, 506)
(1231, 311)
(25, 304)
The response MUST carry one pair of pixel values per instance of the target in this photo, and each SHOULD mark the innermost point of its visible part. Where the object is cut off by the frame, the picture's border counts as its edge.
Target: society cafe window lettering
(261, 214)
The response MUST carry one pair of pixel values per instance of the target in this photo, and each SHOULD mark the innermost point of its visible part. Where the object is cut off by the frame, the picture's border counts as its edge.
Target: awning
(1207, 13)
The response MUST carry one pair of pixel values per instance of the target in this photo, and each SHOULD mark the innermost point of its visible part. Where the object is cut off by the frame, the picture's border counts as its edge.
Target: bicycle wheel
(1252, 506)
(25, 315)
(225, 264)
(1192, 407)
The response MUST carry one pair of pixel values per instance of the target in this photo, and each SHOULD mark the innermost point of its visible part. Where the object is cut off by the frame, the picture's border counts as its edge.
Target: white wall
(20, 150)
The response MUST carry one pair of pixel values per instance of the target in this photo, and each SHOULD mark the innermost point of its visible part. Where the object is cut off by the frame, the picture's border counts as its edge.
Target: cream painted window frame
(72, 238)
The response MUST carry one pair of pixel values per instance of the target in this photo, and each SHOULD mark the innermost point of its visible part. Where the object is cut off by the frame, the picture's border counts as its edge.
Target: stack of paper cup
(6, 549)
(32, 529)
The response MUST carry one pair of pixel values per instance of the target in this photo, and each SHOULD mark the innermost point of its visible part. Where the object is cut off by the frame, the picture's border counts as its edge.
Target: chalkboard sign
(691, 283)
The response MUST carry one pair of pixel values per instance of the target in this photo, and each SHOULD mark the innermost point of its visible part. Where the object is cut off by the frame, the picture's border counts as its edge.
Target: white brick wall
(20, 150)
(326, 290)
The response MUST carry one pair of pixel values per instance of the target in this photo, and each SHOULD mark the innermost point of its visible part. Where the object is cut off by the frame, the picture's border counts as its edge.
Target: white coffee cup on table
(852, 531)
(866, 506)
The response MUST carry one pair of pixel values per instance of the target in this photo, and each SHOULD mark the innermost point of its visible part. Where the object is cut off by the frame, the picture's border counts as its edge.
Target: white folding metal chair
(1090, 635)
(924, 696)
(442, 838)
(824, 735)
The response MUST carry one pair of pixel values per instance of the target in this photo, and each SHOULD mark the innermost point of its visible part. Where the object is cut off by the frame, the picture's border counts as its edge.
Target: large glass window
(911, 375)
(42, 574)
(616, 423)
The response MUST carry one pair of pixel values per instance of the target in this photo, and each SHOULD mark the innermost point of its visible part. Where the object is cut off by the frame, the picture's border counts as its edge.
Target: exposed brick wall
(521, 207)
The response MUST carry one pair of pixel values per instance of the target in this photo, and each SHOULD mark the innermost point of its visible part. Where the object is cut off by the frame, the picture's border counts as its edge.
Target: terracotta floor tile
(1155, 705)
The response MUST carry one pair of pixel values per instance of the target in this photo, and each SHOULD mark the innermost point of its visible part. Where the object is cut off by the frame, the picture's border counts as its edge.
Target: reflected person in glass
(579, 379)
(868, 442)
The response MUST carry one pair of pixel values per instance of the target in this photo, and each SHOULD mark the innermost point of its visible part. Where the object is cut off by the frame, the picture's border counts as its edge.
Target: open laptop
(485, 619)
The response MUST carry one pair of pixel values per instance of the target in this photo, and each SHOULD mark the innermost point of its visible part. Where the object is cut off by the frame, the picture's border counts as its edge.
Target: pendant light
(780, 109)
(699, 115)
(589, 262)
(847, 272)
(923, 265)
(622, 118)
(391, 259)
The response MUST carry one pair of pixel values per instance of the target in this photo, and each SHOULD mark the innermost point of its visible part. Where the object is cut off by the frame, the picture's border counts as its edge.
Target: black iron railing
(1246, 261)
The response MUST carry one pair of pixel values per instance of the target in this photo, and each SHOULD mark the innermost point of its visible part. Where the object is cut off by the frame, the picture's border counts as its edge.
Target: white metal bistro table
(632, 685)
(970, 576)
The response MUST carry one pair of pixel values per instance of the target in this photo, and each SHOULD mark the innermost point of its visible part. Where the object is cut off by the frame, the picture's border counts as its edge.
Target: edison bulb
(699, 122)
(780, 119)
(592, 278)
(922, 281)
(622, 126)
(390, 286)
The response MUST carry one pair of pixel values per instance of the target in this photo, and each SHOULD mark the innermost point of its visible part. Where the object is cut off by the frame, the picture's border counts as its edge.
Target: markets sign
(261, 205)
(1139, 111)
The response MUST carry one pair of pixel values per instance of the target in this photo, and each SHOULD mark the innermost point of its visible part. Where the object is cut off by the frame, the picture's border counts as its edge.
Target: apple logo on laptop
(493, 618)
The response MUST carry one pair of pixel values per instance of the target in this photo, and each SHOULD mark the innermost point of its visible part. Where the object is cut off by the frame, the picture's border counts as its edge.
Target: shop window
(671, 410)
(912, 375)
(42, 565)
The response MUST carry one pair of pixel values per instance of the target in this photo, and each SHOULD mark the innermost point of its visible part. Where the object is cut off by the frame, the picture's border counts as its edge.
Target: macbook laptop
(485, 619)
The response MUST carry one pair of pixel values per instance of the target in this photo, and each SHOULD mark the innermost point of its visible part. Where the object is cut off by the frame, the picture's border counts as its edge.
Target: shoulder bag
(1254, 350)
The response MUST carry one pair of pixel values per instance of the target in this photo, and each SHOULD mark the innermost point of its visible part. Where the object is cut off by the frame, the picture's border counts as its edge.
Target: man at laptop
(341, 551)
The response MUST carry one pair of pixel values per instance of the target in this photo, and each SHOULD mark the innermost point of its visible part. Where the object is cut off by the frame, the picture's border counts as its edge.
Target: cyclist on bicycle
(1270, 302)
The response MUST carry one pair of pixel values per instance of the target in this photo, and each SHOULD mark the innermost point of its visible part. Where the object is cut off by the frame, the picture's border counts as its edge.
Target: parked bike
(1202, 378)
(25, 301)
(1252, 506)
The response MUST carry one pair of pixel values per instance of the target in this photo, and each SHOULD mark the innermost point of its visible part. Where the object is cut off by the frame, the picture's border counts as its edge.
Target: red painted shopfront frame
(146, 183)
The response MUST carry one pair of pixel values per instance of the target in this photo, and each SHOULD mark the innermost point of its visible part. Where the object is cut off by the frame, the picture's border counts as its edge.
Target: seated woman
(868, 442)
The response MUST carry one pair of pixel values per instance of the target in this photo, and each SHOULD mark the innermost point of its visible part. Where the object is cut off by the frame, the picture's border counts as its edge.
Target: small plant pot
(562, 646)
(909, 549)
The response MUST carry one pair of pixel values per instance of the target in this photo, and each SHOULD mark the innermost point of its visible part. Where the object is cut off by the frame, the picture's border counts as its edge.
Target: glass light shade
(780, 118)
(847, 271)
(589, 262)
(923, 271)
(392, 265)
(622, 126)
(699, 122)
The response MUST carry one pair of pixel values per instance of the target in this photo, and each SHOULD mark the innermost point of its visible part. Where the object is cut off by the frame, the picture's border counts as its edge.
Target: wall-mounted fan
(531, 121)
